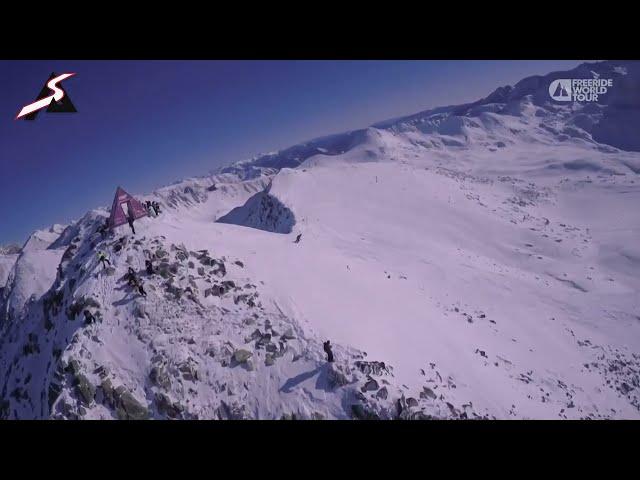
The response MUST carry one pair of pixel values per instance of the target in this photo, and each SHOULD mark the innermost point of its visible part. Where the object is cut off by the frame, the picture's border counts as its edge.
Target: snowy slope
(6, 264)
(474, 261)
(8, 256)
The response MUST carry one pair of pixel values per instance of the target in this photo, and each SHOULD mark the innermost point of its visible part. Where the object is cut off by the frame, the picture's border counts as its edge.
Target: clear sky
(144, 124)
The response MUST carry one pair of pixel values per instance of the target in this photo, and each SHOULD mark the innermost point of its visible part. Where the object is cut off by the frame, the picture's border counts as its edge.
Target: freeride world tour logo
(52, 97)
(579, 89)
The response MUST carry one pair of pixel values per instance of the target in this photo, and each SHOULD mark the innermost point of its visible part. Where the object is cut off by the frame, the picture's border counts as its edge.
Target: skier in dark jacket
(150, 210)
(131, 277)
(102, 257)
(89, 318)
(298, 238)
(141, 290)
(130, 221)
(149, 265)
(327, 348)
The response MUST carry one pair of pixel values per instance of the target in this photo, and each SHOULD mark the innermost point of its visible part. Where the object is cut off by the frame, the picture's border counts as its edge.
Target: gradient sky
(144, 124)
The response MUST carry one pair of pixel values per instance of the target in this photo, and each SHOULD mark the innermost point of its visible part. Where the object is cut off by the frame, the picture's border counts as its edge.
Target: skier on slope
(131, 277)
(298, 238)
(102, 258)
(89, 318)
(327, 349)
(149, 266)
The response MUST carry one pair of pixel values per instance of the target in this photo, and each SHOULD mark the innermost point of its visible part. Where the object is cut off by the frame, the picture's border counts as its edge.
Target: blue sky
(144, 124)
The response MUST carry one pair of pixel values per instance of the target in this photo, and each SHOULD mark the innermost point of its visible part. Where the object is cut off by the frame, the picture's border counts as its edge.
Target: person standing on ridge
(327, 349)
(132, 280)
(149, 266)
(102, 257)
(130, 221)
(89, 318)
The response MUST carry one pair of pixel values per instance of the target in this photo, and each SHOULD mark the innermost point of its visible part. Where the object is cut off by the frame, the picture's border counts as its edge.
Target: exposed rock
(427, 393)
(625, 388)
(159, 377)
(139, 310)
(130, 409)
(166, 407)
(269, 359)
(241, 355)
(189, 371)
(85, 389)
(255, 335)
(335, 378)
(229, 285)
(220, 270)
(73, 366)
(372, 368)
(219, 290)
(108, 393)
(288, 334)
(53, 393)
(359, 412)
(231, 412)
(382, 394)
(412, 402)
(248, 365)
(370, 386)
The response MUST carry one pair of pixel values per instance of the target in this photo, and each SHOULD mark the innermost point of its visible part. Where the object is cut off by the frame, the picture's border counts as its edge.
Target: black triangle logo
(65, 105)
(559, 90)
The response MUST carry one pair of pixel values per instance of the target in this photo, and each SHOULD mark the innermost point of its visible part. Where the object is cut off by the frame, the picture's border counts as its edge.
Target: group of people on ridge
(153, 208)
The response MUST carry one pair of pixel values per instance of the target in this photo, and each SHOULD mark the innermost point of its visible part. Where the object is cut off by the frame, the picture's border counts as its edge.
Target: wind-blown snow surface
(486, 253)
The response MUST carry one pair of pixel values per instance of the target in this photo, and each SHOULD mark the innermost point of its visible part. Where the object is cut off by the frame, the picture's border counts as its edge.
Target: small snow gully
(327, 349)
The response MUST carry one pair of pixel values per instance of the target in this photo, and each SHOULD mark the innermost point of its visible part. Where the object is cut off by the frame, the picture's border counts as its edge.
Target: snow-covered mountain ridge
(475, 261)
